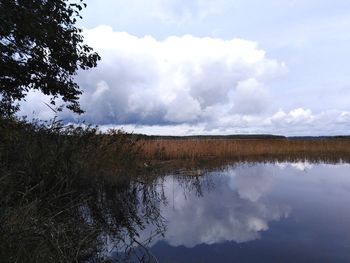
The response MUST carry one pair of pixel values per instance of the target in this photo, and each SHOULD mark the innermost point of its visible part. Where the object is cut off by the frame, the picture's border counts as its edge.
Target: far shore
(244, 148)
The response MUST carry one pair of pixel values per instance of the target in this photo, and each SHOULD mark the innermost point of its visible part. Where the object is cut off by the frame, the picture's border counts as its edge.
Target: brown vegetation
(63, 190)
(245, 149)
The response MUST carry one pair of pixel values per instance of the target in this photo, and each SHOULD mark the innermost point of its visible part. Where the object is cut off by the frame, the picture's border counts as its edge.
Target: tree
(42, 49)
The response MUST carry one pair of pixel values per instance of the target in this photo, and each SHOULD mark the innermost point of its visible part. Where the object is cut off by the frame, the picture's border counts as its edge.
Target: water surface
(282, 212)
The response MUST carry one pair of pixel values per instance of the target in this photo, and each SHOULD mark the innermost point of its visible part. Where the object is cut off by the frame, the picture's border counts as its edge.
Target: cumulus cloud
(185, 85)
(251, 97)
(307, 123)
(295, 116)
(178, 80)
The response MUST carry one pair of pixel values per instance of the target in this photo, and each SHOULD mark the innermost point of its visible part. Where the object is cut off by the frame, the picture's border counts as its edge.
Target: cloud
(178, 80)
(251, 97)
(35, 106)
(295, 116)
(186, 85)
(296, 122)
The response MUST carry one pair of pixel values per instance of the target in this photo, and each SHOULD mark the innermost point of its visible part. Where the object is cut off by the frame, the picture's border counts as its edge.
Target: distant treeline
(311, 138)
(240, 137)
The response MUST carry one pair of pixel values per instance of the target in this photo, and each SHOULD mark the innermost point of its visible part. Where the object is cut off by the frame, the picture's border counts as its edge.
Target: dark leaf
(41, 49)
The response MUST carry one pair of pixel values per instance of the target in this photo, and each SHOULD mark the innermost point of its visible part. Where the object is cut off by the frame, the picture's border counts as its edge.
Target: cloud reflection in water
(234, 210)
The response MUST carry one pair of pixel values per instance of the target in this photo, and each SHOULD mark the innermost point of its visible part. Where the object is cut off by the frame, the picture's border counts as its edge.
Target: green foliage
(41, 49)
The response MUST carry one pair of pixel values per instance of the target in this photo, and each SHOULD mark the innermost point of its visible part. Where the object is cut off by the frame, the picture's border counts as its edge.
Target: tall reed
(62, 189)
(236, 149)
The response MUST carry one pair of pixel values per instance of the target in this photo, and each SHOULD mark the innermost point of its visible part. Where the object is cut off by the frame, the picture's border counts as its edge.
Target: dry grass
(245, 149)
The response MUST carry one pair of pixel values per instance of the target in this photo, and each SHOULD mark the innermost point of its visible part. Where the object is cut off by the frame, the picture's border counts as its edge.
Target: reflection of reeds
(63, 189)
(246, 149)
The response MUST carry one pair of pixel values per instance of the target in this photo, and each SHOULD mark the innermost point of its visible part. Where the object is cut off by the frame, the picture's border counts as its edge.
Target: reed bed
(63, 189)
(244, 149)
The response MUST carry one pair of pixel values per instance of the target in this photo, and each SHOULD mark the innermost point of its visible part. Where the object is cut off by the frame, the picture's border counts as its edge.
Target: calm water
(283, 212)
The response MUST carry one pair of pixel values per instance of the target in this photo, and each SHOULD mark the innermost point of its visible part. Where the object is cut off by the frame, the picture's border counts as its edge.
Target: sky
(185, 67)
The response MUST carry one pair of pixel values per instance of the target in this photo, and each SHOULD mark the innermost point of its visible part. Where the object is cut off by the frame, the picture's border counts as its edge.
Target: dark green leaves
(42, 49)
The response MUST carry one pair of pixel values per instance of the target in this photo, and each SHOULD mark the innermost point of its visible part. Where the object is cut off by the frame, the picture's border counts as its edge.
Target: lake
(275, 212)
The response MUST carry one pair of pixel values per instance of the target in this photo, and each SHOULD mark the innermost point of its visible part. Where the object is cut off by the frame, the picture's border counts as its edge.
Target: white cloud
(294, 123)
(36, 106)
(251, 97)
(186, 85)
(295, 116)
(177, 80)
